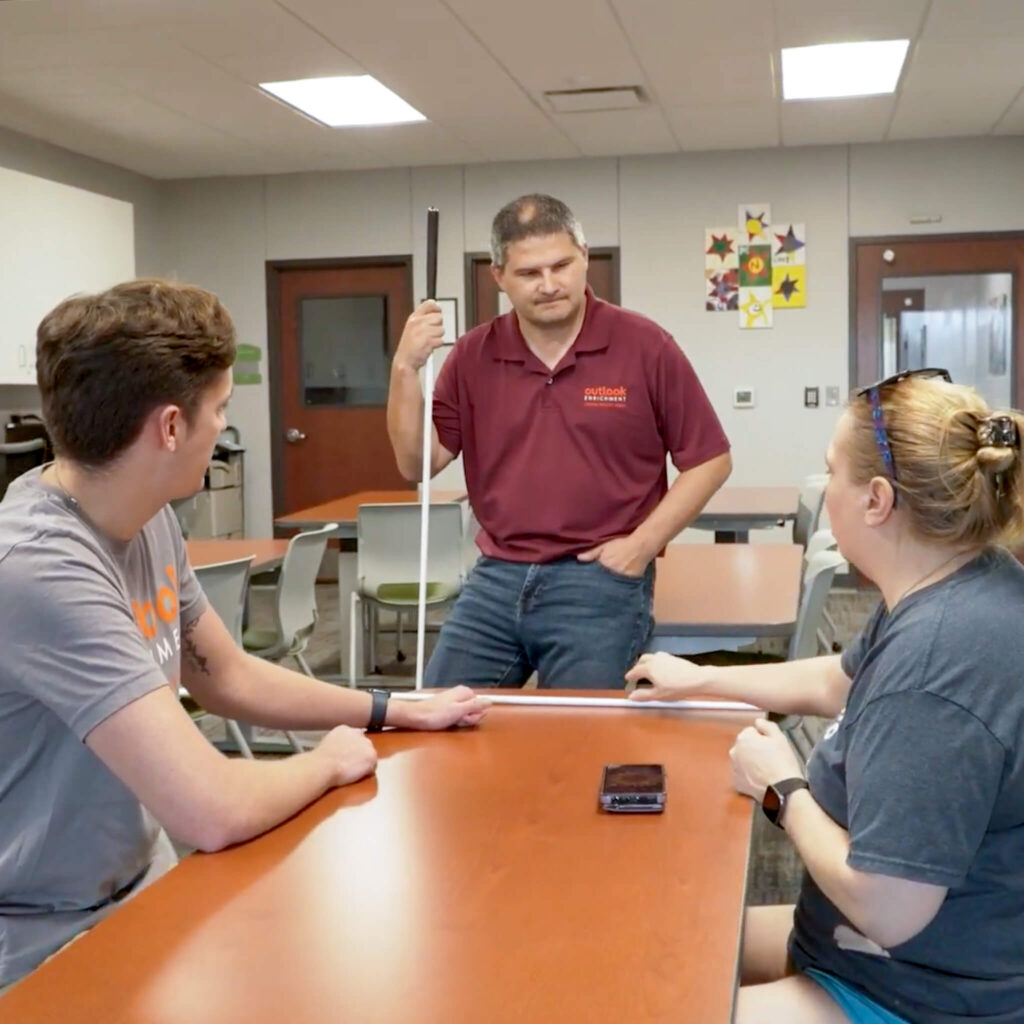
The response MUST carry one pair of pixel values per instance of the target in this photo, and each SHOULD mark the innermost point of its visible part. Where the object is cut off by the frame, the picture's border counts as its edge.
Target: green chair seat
(259, 639)
(409, 593)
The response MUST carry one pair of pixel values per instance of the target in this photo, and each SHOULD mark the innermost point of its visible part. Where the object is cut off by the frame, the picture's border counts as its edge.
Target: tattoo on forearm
(195, 660)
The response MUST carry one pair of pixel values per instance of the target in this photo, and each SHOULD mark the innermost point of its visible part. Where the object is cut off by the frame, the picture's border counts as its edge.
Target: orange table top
(728, 589)
(473, 879)
(752, 504)
(346, 510)
(267, 552)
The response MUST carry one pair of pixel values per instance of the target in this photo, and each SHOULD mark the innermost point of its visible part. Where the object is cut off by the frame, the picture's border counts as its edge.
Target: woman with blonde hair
(910, 820)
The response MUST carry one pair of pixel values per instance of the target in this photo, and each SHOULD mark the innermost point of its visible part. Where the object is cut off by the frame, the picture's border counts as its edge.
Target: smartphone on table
(633, 788)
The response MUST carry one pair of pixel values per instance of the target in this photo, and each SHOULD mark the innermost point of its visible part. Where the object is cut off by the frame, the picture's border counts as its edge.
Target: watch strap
(773, 803)
(378, 710)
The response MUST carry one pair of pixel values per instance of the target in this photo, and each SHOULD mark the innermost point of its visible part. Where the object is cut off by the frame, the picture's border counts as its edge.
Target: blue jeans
(579, 625)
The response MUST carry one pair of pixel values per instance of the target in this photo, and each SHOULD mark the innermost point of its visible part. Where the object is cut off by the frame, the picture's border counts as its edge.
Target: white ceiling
(168, 87)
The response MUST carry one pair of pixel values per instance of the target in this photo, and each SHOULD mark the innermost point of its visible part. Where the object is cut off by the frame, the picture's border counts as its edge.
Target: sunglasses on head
(874, 396)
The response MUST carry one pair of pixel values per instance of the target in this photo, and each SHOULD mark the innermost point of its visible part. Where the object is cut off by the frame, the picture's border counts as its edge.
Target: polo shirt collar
(509, 345)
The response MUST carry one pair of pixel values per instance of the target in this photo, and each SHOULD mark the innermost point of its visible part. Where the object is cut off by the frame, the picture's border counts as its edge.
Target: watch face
(771, 804)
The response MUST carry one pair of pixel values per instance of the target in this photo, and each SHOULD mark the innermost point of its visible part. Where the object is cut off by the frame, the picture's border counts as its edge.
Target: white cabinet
(55, 240)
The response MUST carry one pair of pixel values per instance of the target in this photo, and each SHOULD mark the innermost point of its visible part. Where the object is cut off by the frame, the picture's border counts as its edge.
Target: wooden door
(887, 272)
(482, 291)
(333, 327)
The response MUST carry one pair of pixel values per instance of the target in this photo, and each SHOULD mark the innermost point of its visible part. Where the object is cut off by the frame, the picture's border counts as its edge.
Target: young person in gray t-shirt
(101, 619)
(910, 822)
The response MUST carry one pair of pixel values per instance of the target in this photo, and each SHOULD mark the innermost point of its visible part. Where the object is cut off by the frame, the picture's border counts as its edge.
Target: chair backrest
(295, 594)
(816, 585)
(821, 540)
(389, 545)
(808, 509)
(224, 584)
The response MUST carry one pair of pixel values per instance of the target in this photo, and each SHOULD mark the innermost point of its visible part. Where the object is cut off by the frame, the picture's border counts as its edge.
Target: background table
(345, 512)
(473, 880)
(733, 512)
(267, 553)
(710, 596)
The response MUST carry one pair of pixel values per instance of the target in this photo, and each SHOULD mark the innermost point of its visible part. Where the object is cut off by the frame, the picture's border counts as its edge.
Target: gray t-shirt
(925, 769)
(88, 624)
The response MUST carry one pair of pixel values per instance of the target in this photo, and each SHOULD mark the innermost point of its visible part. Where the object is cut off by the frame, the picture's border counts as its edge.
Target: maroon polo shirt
(559, 461)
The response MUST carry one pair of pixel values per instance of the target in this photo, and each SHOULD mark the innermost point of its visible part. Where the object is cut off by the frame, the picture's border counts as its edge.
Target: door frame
(864, 352)
(273, 271)
(470, 259)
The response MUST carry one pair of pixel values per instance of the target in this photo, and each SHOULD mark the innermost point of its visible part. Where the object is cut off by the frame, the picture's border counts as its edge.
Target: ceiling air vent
(579, 101)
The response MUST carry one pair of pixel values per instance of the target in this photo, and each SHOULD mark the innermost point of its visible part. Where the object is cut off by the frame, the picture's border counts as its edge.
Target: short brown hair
(105, 361)
(956, 488)
(528, 217)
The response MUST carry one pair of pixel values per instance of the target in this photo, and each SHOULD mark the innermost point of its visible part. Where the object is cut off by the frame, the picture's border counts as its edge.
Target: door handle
(293, 435)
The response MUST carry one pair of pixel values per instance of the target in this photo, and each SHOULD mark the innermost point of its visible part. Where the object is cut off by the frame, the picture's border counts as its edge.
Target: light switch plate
(811, 398)
(743, 398)
(832, 394)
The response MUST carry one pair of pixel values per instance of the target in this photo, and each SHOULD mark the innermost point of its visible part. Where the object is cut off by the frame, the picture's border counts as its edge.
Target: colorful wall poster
(722, 290)
(720, 248)
(755, 266)
(754, 221)
(789, 287)
(790, 245)
(755, 308)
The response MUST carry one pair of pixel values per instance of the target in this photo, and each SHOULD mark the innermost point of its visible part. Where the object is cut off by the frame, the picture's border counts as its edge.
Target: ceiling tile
(813, 22)
(531, 44)
(520, 138)
(741, 126)
(453, 76)
(934, 102)
(974, 19)
(619, 132)
(823, 122)
(1012, 122)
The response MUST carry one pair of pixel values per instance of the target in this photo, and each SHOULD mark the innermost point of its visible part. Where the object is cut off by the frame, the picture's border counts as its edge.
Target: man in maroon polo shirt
(563, 410)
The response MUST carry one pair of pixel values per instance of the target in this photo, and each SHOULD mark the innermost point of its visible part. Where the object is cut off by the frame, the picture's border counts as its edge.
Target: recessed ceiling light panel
(842, 69)
(345, 101)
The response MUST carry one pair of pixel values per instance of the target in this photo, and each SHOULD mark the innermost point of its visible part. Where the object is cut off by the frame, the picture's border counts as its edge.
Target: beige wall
(220, 232)
(654, 208)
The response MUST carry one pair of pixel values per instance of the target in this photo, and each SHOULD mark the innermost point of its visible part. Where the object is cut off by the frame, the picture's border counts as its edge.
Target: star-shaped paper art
(722, 291)
(790, 247)
(755, 224)
(755, 265)
(755, 312)
(789, 287)
(721, 246)
(788, 242)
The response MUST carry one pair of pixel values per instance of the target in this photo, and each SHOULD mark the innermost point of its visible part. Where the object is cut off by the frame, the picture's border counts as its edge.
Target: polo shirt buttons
(551, 380)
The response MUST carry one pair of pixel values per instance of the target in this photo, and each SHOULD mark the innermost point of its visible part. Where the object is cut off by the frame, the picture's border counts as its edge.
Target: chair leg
(355, 630)
(297, 745)
(236, 734)
(370, 657)
(399, 619)
(304, 665)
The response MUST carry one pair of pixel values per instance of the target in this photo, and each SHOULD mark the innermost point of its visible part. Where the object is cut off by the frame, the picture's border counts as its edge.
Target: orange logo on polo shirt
(605, 397)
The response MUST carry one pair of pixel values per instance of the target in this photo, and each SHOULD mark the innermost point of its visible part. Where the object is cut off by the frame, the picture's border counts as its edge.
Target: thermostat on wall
(743, 398)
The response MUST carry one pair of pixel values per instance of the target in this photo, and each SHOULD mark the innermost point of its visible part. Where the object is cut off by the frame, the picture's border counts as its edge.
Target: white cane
(428, 434)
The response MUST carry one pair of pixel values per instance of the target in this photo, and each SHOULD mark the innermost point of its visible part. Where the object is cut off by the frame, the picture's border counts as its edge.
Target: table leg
(732, 536)
(346, 585)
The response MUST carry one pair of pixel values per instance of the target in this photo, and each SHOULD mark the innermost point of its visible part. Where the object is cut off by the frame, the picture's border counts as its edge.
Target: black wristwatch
(378, 710)
(773, 803)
